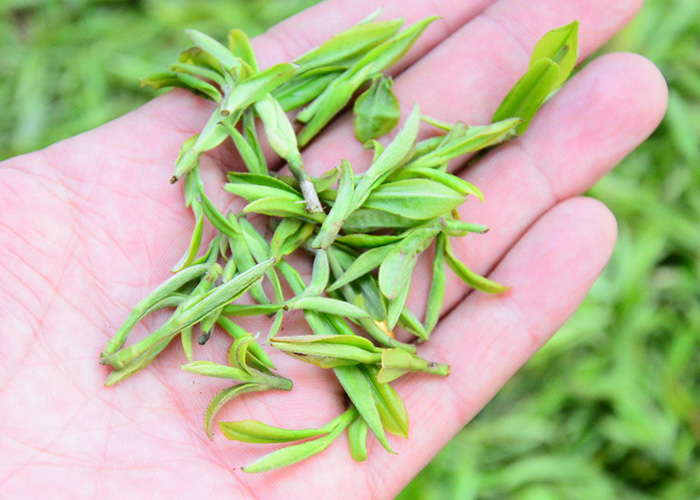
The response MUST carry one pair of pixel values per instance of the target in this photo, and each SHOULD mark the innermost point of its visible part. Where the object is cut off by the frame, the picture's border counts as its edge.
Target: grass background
(610, 408)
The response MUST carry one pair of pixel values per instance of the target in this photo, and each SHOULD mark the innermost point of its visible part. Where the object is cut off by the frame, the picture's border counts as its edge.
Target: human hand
(89, 226)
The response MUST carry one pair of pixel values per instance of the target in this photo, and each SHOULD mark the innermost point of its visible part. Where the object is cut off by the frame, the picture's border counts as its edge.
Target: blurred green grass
(610, 408)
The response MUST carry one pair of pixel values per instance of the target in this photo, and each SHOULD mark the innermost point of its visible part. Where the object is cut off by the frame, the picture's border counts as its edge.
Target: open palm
(90, 225)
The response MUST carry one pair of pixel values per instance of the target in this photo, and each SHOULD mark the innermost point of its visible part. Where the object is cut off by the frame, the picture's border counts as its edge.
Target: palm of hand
(90, 227)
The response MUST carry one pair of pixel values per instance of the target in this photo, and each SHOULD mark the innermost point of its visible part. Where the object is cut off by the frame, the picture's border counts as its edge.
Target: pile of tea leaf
(365, 231)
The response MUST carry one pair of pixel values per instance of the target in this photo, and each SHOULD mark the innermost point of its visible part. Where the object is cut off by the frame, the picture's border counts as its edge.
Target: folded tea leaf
(561, 46)
(390, 406)
(252, 431)
(340, 211)
(396, 268)
(218, 51)
(239, 45)
(528, 94)
(377, 111)
(472, 279)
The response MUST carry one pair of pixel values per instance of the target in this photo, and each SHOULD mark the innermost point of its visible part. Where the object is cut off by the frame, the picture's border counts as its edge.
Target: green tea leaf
(471, 139)
(253, 192)
(283, 232)
(197, 57)
(397, 267)
(414, 199)
(195, 240)
(323, 304)
(186, 340)
(359, 388)
(396, 306)
(389, 52)
(451, 181)
(236, 332)
(278, 129)
(528, 94)
(184, 81)
(297, 239)
(436, 295)
(248, 154)
(199, 71)
(257, 87)
(455, 227)
(341, 208)
(322, 110)
(135, 365)
(390, 406)
(397, 362)
(238, 353)
(389, 160)
(328, 352)
(345, 46)
(251, 136)
(367, 241)
(262, 180)
(320, 274)
(217, 218)
(351, 340)
(304, 88)
(377, 111)
(364, 291)
(561, 46)
(365, 263)
(244, 260)
(408, 321)
(366, 220)
(223, 294)
(162, 292)
(251, 310)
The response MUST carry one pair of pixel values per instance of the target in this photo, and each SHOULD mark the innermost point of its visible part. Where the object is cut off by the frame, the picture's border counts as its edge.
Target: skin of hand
(90, 225)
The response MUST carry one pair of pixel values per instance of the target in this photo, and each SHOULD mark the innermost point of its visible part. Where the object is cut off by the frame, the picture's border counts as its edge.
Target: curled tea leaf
(296, 453)
(357, 437)
(223, 397)
(470, 277)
